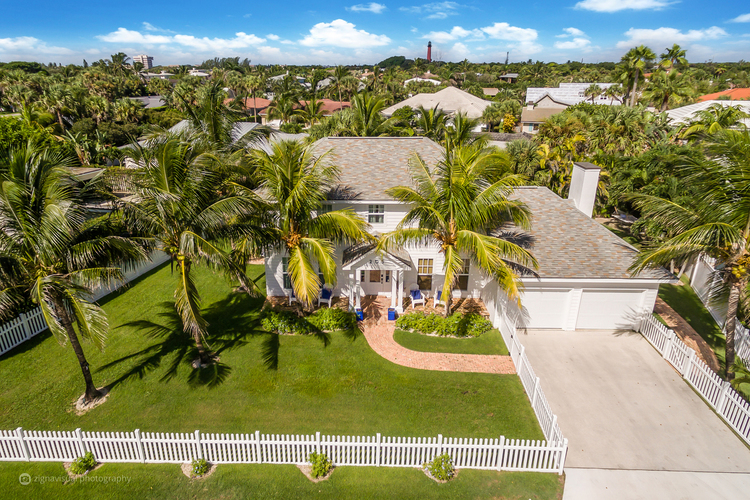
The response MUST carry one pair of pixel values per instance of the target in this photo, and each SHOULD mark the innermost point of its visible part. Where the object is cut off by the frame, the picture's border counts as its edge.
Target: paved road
(623, 408)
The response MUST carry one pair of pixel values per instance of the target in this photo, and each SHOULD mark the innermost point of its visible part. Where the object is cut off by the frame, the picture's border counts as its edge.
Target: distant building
(736, 94)
(147, 61)
(569, 93)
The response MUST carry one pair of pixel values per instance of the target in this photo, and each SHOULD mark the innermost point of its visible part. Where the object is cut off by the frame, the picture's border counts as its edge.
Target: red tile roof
(733, 94)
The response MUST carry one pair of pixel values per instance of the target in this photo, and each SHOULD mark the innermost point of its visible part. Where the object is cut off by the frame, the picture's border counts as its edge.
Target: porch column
(400, 291)
(357, 289)
(394, 287)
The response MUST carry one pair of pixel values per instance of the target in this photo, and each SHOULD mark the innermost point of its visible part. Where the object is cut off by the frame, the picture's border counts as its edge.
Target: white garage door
(608, 309)
(546, 308)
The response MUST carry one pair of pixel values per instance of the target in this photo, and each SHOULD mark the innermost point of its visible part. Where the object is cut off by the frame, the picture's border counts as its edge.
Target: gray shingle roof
(370, 165)
(568, 244)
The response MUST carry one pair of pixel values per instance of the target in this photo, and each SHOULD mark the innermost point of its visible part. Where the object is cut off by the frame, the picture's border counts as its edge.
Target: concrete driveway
(622, 406)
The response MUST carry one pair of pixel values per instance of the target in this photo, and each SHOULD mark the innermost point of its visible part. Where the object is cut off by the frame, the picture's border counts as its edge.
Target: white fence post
(536, 391)
(552, 426)
(722, 397)
(317, 442)
(501, 455)
(689, 365)
(563, 455)
(81, 446)
(26, 326)
(198, 444)
(24, 446)
(257, 447)
(668, 344)
(141, 451)
(377, 451)
(520, 359)
(440, 444)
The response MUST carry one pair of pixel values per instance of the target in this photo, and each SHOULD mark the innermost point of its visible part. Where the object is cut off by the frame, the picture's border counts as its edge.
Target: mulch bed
(687, 334)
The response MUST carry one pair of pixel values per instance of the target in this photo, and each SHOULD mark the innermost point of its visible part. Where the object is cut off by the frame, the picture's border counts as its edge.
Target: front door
(378, 282)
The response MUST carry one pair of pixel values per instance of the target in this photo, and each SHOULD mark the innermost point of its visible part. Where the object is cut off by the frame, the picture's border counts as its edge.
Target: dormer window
(376, 214)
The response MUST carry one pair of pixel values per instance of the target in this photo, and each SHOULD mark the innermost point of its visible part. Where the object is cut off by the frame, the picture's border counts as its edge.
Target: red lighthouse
(429, 51)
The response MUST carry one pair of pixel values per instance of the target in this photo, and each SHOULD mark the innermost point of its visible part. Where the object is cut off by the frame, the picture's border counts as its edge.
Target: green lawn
(274, 481)
(342, 388)
(489, 343)
(686, 303)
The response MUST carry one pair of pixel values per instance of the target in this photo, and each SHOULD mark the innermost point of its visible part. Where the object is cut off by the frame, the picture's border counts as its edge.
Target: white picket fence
(718, 393)
(742, 342)
(377, 450)
(27, 325)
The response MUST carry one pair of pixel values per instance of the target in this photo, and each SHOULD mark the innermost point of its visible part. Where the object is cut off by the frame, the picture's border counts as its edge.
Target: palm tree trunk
(448, 303)
(60, 121)
(203, 357)
(635, 87)
(91, 391)
(729, 327)
(255, 108)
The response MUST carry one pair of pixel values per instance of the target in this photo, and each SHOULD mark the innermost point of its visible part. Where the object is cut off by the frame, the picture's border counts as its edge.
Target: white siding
(610, 309)
(546, 308)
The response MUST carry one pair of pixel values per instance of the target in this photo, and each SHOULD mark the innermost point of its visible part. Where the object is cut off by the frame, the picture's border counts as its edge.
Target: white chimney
(583, 184)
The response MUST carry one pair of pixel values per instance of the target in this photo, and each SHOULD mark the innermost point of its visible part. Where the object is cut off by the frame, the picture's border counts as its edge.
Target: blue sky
(336, 32)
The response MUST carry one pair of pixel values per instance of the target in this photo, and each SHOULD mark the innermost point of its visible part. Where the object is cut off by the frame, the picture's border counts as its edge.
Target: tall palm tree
(367, 119)
(312, 111)
(715, 223)
(592, 92)
(192, 213)
(50, 255)
(459, 206)
(639, 58)
(284, 108)
(432, 122)
(673, 57)
(295, 184)
(667, 86)
(56, 99)
(253, 85)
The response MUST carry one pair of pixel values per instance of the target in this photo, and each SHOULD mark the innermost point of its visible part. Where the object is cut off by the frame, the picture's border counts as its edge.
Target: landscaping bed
(489, 343)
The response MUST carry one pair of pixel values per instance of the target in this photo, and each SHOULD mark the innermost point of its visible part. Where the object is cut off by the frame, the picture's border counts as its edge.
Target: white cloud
(571, 32)
(618, 5)
(504, 31)
(436, 10)
(123, 35)
(454, 34)
(340, 33)
(151, 27)
(574, 44)
(375, 8)
(271, 36)
(29, 44)
(205, 44)
(744, 18)
(287, 42)
(668, 36)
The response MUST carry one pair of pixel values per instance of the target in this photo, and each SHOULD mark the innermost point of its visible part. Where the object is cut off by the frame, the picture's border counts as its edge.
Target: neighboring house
(736, 94)
(162, 76)
(451, 100)
(569, 93)
(534, 114)
(150, 101)
(198, 73)
(490, 92)
(583, 281)
(686, 114)
(425, 78)
(261, 106)
(509, 77)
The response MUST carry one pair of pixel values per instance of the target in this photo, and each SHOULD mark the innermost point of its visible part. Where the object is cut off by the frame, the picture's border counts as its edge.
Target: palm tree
(253, 85)
(673, 57)
(638, 57)
(50, 255)
(712, 120)
(295, 183)
(613, 92)
(592, 92)
(284, 108)
(56, 99)
(432, 122)
(715, 223)
(192, 213)
(211, 119)
(666, 86)
(367, 119)
(459, 206)
(312, 112)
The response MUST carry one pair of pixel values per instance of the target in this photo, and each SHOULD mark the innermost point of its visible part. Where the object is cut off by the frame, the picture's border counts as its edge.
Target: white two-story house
(583, 280)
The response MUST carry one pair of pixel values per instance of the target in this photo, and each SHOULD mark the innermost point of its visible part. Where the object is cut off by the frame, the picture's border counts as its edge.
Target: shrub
(455, 325)
(333, 319)
(200, 467)
(285, 322)
(82, 465)
(441, 467)
(320, 464)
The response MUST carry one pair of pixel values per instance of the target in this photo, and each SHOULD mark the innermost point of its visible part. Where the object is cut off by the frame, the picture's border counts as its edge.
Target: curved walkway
(379, 334)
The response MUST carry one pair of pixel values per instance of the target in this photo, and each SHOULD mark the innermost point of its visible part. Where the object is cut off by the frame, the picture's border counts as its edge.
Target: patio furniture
(417, 297)
(439, 298)
(326, 295)
(292, 297)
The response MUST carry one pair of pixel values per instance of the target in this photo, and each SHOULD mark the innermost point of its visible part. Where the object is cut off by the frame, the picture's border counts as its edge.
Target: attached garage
(609, 309)
(546, 308)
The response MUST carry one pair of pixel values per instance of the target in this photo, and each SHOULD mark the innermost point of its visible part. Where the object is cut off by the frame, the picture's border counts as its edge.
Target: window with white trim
(463, 276)
(287, 282)
(376, 214)
(325, 208)
(424, 274)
